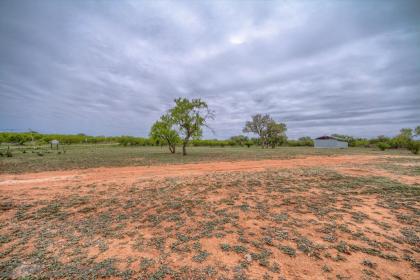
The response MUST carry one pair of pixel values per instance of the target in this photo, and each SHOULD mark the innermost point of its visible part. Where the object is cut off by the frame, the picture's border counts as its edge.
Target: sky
(113, 67)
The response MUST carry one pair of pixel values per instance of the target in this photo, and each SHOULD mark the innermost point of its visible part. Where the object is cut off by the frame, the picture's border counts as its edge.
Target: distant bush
(361, 143)
(383, 146)
(414, 147)
(239, 140)
(301, 142)
(211, 143)
(135, 141)
(249, 144)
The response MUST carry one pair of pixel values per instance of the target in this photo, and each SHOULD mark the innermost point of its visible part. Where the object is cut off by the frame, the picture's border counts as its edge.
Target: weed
(342, 247)
(201, 256)
(410, 236)
(307, 247)
(239, 249)
(326, 268)
(146, 263)
(369, 263)
(225, 247)
(288, 251)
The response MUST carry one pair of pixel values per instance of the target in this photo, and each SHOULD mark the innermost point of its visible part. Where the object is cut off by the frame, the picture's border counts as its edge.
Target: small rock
(248, 257)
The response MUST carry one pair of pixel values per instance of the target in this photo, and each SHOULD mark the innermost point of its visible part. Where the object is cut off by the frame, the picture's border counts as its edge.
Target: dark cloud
(113, 67)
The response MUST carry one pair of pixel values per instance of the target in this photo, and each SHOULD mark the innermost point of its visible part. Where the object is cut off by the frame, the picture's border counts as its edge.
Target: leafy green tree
(162, 132)
(276, 133)
(189, 117)
(403, 139)
(259, 126)
(414, 147)
(269, 131)
(406, 132)
(417, 130)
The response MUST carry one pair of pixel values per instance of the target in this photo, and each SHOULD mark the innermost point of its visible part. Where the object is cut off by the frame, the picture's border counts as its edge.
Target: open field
(226, 213)
(26, 159)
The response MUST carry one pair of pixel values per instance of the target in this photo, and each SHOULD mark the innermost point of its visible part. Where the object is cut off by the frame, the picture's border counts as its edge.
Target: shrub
(383, 146)
(225, 247)
(414, 147)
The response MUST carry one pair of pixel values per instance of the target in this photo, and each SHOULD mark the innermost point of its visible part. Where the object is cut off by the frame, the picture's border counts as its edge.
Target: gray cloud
(113, 67)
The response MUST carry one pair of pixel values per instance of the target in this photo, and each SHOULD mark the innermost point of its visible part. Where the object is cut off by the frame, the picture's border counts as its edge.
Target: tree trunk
(264, 144)
(184, 149)
(172, 148)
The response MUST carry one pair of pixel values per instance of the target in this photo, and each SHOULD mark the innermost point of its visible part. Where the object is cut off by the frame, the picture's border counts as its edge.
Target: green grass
(89, 156)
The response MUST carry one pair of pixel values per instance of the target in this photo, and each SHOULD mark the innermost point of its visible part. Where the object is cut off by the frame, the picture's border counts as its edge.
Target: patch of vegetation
(288, 250)
(201, 256)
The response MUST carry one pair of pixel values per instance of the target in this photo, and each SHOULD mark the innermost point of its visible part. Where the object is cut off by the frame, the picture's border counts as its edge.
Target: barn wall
(325, 143)
(342, 144)
(329, 143)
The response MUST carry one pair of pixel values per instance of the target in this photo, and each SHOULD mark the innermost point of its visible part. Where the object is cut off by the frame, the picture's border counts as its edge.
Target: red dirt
(55, 179)
(132, 173)
(116, 182)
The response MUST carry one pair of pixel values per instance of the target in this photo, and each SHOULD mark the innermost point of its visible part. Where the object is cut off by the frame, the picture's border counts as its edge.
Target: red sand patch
(93, 175)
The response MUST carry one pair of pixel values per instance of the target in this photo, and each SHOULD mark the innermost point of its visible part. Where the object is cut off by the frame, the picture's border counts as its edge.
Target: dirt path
(134, 173)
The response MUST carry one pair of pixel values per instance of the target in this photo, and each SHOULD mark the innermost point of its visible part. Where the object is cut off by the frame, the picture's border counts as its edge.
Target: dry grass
(26, 159)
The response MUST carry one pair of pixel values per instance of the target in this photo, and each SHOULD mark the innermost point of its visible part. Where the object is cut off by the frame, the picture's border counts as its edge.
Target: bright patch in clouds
(237, 40)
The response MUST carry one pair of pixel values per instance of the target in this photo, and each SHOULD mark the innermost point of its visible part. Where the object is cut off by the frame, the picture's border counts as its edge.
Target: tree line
(25, 138)
(33, 137)
(183, 125)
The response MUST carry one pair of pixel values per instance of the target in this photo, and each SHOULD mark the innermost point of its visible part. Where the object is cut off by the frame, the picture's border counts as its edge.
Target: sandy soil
(217, 193)
(134, 173)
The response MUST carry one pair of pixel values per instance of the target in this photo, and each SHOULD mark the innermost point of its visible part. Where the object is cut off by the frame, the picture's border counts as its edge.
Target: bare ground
(273, 219)
(131, 174)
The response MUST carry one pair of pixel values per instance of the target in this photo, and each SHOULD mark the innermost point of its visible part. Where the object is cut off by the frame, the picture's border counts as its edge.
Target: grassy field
(26, 159)
(357, 219)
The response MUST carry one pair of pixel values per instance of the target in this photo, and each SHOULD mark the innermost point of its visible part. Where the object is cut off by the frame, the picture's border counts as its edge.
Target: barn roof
(325, 137)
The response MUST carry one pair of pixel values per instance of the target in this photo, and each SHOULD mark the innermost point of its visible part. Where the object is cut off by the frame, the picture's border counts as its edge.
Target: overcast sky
(113, 67)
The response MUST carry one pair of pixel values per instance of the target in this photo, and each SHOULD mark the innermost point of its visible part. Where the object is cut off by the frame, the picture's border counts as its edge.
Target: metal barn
(330, 142)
